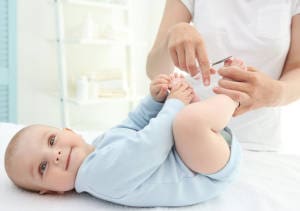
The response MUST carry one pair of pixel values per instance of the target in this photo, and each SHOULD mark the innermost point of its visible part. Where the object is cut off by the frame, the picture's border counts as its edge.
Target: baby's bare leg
(196, 131)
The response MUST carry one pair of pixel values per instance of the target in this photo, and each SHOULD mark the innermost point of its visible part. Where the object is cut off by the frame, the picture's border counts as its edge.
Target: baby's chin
(77, 156)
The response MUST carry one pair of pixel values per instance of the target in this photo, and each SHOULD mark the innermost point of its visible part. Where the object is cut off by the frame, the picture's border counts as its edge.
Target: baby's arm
(134, 155)
(138, 154)
(149, 106)
(137, 119)
(152, 144)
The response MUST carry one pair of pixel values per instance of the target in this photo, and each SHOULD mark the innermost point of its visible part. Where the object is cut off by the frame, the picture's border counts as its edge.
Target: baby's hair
(12, 149)
(10, 155)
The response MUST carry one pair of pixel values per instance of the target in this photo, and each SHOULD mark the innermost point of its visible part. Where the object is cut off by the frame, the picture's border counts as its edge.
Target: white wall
(37, 69)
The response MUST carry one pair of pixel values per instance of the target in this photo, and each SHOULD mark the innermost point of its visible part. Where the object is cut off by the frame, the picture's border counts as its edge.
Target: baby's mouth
(68, 159)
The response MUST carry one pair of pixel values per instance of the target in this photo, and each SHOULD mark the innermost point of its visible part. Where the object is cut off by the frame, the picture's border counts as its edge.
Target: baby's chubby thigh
(199, 147)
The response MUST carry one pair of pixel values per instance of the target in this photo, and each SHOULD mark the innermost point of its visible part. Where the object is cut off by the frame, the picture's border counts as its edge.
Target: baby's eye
(52, 140)
(42, 167)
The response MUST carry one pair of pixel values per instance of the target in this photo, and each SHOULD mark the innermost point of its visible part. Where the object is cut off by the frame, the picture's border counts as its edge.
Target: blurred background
(81, 63)
(93, 50)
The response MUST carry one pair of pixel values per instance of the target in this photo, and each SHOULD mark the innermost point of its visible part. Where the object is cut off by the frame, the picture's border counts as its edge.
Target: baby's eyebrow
(44, 136)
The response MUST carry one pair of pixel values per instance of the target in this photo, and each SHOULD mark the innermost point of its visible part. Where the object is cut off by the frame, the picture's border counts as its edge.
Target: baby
(167, 152)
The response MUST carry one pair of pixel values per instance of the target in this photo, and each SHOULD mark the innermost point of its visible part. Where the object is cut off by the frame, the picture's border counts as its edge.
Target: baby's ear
(42, 192)
(60, 192)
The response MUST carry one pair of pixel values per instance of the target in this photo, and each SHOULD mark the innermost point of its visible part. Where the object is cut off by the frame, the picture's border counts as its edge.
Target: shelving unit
(67, 85)
(99, 3)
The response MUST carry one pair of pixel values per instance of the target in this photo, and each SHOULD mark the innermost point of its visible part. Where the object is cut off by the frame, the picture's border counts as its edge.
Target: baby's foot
(235, 62)
(175, 78)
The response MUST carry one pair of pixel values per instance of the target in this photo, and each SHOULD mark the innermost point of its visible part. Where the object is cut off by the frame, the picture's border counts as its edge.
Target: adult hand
(252, 88)
(186, 46)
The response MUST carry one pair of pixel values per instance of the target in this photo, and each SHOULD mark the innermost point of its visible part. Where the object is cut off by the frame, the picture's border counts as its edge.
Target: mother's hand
(252, 88)
(186, 46)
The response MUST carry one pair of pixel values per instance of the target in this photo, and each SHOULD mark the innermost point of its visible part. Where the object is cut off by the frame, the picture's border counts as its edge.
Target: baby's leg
(196, 131)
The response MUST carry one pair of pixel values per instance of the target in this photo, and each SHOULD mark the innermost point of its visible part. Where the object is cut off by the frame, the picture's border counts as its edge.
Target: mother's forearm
(290, 86)
(159, 61)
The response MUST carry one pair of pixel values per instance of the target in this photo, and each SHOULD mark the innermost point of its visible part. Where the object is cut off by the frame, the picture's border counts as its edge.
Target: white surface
(268, 181)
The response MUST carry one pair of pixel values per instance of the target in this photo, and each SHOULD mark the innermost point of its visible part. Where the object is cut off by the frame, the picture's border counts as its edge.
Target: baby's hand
(159, 87)
(182, 91)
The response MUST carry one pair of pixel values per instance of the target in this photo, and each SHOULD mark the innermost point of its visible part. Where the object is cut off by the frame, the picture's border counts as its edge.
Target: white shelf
(122, 37)
(98, 101)
(95, 42)
(97, 3)
(102, 42)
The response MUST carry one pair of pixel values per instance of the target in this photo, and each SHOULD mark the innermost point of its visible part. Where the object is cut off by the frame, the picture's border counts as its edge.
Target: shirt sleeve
(189, 4)
(296, 10)
(137, 119)
(142, 153)
(119, 168)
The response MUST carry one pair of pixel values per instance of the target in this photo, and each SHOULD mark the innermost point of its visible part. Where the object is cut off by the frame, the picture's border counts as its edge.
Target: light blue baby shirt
(136, 164)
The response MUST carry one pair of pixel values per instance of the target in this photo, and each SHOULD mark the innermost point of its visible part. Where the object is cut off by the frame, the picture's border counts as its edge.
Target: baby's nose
(58, 155)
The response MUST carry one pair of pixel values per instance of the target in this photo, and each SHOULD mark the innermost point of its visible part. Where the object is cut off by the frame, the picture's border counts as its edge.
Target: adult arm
(290, 78)
(254, 89)
(159, 59)
(177, 43)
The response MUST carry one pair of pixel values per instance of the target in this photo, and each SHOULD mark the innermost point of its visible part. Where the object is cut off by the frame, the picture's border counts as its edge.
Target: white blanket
(268, 181)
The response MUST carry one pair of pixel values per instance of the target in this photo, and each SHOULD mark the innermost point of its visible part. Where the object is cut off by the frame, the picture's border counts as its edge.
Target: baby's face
(50, 158)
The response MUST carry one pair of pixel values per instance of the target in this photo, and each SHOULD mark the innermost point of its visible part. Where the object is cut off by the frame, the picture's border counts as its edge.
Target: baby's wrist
(158, 100)
(177, 98)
